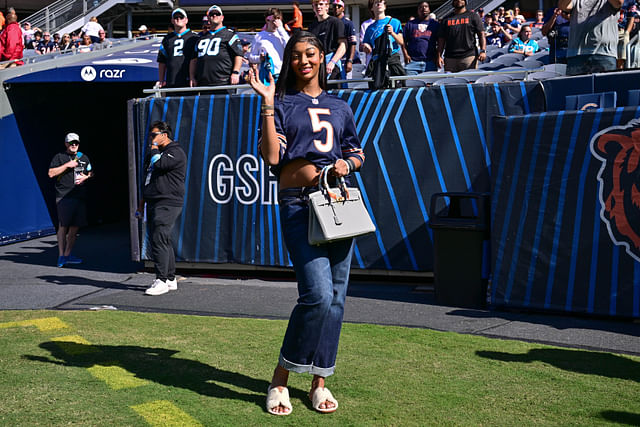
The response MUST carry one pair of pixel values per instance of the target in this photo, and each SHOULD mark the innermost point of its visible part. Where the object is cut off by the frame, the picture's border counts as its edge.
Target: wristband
(235, 72)
(349, 60)
(351, 164)
(266, 107)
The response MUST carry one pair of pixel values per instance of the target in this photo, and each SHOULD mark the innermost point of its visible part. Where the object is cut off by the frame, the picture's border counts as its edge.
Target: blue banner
(417, 142)
(566, 212)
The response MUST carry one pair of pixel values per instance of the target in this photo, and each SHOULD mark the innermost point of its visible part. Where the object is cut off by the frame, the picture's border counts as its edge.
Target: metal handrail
(159, 92)
(59, 13)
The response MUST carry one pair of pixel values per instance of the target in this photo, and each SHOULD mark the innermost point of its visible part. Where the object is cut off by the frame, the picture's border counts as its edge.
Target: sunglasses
(74, 143)
(178, 17)
(152, 135)
(215, 14)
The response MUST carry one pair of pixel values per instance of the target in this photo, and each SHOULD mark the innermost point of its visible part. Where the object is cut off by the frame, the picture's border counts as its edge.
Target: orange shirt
(297, 16)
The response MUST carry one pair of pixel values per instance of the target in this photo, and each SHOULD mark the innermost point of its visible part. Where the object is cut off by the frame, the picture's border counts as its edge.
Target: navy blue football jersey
(320, 130)
(176, 51)
(215, 52)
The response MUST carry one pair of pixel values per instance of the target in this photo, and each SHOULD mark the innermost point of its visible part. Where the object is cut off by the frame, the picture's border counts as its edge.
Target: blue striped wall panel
(417, 142)
(551, 245)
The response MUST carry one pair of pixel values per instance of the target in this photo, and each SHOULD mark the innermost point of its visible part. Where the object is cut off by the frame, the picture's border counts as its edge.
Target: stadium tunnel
(89, 97)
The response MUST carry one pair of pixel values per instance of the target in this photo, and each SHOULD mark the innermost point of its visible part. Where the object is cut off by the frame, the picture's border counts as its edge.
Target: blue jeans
(587, 64)
(416, 67)
(311, 342)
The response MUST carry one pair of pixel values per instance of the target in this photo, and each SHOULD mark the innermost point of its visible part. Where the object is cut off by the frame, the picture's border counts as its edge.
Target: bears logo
(618, 148)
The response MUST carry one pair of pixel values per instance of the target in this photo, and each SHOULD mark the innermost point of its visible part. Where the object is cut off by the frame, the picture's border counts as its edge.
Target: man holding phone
(71, 169)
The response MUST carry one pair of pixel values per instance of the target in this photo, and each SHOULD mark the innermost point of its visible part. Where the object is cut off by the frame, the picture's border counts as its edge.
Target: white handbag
(336, 213)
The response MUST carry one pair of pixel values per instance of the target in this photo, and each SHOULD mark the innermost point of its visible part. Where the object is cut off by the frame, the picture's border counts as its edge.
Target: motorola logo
(88, 73)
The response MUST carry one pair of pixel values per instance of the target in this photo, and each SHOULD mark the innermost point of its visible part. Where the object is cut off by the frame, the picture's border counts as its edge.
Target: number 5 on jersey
(317, 125)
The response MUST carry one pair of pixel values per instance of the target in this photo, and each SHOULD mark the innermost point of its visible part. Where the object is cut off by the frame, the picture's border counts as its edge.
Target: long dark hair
(287, 79)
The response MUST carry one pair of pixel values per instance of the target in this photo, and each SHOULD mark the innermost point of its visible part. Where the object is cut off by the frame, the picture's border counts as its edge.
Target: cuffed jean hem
(305, 369)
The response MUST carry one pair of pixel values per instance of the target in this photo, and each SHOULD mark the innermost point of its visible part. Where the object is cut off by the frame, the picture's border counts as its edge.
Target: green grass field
(112, 368)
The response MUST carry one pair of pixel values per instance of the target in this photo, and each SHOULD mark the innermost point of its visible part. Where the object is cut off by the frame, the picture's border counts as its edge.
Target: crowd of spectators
(600, 29)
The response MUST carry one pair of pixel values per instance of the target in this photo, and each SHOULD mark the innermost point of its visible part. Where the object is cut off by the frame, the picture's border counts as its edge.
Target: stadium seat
(508, 59)
(451, 81)
(491, 66)
(542, 75)
(415, 83)
(590, 100)
(494, 78)
(556, 68)
(516, 73)
(470, 70)
(543, 43)
(633, 97)
(358, 85)
(495, 53)
(529, 65)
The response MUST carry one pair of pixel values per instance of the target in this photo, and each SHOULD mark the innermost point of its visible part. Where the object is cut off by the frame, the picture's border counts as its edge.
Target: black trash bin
(460, 223)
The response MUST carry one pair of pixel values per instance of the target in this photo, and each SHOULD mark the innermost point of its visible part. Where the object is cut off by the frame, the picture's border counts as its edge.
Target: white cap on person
(214, 8)
(179, 10)
(142, 28)
(71, 137)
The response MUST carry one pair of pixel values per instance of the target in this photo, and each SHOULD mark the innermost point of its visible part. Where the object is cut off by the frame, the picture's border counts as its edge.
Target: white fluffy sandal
(277, 398)
(321, 395)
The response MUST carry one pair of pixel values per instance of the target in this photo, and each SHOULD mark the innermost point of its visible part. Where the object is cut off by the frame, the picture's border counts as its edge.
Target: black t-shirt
(459, 33)
(176, 51)
(329, 32)
(216, 52)
(65, 182)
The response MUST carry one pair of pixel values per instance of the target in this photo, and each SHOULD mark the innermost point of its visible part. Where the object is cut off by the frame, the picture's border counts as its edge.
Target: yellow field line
(164, 413)
(116, 377)
(45, 324)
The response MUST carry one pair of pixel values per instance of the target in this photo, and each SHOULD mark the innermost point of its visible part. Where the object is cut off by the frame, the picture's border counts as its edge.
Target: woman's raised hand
(267, 92)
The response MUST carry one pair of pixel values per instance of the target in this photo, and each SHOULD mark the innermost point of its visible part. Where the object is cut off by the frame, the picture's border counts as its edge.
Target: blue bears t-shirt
(320, 130)
(376, 29)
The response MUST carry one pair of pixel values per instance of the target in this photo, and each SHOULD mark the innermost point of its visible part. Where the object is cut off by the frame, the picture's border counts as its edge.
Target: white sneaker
(172, 284)
(158, 287)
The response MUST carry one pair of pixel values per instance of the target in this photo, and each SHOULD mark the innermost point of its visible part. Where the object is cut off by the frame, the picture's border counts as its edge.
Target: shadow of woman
(584, 362)
(159, 365)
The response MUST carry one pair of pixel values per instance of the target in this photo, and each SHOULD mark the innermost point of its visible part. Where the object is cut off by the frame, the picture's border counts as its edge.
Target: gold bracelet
(267, 115)
(266, 107)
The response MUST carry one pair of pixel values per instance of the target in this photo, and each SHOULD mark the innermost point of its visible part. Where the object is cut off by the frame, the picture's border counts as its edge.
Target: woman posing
(303, 130)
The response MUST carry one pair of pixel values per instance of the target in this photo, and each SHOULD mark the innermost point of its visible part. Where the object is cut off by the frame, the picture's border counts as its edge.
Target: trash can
(460, 224)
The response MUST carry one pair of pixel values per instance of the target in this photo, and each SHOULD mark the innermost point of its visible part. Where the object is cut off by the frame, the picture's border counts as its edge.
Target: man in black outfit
(71, 170)
(163, 191)
(457, 38)
(176, 52)
(218, 56)
(330, 31)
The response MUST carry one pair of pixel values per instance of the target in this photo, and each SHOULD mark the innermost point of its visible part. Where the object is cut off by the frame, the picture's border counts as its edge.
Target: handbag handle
(324, 184)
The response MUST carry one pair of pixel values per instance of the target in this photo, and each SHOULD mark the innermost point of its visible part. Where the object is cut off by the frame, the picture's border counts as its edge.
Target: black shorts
(72, 212)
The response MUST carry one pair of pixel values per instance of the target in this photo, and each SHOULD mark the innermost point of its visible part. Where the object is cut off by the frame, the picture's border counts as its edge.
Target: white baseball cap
(142, 28)
(71, 137)
(179, 10)
(214, 8)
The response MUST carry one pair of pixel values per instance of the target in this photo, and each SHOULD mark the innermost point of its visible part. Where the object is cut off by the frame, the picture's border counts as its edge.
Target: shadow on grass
(621, 417)
(580, 361)
(159, 366)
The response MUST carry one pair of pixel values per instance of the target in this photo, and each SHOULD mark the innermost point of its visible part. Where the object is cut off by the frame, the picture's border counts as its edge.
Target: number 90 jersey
(320, 130)
(216, 51)
(176, 51)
